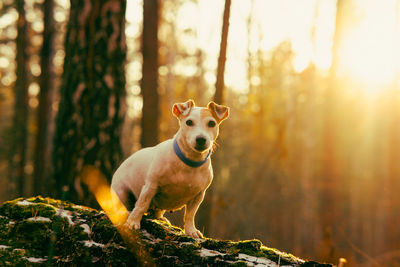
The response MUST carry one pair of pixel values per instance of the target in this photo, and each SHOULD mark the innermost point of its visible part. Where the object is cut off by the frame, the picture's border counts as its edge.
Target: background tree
(17, 155)
(207, 210)
(40, 185)
(220, 84)
(329, 192)
(90, 115)
(149, 83)
(390, 200)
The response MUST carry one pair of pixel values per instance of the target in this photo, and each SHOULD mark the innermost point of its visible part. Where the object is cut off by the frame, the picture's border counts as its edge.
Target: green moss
(161, 229)
(250, 245)
(216, 244)
(251, 248)
(276, 255)
(63, 234)
(13, 209)
(239, 264)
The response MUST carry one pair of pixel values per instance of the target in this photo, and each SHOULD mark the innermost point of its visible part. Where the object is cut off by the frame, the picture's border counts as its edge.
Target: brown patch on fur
(183, 109)
(219, 112)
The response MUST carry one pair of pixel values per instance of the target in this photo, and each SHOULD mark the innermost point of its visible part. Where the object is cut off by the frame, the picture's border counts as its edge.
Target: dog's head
(200, 125)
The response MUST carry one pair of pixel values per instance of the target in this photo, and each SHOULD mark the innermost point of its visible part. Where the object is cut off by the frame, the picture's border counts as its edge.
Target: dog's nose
(200, 141)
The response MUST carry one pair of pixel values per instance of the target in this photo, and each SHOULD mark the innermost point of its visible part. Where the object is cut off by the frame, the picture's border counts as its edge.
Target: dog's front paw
(133, 224)
(193, 233)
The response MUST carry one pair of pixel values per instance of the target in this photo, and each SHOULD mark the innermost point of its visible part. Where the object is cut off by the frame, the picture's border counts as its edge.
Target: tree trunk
(207, 210)
(389, 208)
(40, 184)
(149, 83)
(330, 175)
(220, 84)
(17, 156)
(90, 116)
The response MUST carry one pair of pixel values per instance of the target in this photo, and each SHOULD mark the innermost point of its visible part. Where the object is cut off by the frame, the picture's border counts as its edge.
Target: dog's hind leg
(158, 214)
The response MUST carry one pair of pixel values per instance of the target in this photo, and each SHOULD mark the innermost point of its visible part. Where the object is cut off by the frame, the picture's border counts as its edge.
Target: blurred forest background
(308, 161)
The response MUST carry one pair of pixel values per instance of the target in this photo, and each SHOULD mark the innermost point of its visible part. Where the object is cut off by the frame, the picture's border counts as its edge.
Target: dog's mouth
(201, 144)
(200, 148)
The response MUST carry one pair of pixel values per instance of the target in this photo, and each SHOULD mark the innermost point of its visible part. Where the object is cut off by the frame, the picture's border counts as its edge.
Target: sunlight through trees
(307, 163)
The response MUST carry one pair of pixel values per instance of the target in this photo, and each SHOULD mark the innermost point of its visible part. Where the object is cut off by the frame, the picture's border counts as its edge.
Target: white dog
(176, 172)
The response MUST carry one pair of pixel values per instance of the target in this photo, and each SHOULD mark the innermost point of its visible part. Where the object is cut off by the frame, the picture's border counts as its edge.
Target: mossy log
(44, 231)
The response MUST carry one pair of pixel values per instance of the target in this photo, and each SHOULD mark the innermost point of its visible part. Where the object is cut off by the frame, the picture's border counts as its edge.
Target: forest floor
(44, 231)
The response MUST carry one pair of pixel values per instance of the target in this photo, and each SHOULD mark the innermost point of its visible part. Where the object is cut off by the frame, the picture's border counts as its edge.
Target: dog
(174, 173)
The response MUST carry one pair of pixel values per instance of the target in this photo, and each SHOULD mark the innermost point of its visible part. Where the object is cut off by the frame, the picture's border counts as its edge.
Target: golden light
(369, 49)
(115, 210)
(367, 54)
(98, 185)
(4, 62)
(34, 89)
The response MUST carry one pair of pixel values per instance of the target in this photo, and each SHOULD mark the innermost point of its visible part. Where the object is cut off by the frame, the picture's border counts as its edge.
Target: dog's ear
(182, 109)
(219, 112)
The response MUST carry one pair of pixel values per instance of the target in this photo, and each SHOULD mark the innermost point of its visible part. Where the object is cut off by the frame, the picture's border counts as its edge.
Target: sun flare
(367, 53)
(369, 49)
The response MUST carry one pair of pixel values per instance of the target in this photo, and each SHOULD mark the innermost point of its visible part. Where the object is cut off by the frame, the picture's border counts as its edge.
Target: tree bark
(329, 196)
(40, 185)
(17, 156)
(149, 83)
(389, 208)
(91, 109)
(220, 83)
(207, 210)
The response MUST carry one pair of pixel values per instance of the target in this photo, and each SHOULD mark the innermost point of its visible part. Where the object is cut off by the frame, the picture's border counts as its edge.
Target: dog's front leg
(142, 204)
(190, 212)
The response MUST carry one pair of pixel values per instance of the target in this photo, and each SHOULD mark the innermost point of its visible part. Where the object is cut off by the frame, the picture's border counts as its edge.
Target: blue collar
(187, 161)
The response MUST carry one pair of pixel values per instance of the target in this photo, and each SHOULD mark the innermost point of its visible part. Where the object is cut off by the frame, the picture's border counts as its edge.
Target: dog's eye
(189, 123)
(211, 124)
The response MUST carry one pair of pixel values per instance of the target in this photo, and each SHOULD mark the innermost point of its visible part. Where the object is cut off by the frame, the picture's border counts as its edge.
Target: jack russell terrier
(174, 173)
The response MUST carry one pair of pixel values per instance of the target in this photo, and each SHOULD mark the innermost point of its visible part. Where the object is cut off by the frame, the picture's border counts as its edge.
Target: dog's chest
(179, 187)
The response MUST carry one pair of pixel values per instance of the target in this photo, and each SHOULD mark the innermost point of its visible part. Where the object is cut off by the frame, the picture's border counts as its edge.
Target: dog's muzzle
(200, 143)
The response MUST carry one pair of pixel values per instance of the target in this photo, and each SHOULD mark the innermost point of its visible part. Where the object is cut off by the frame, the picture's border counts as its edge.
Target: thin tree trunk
(18, 148)
(40, 184)
(249, 25)
(149, 83)
(389, 210)
(199, 79)
(207, 210)
(91, 109)
(220, 84)
(330, 174)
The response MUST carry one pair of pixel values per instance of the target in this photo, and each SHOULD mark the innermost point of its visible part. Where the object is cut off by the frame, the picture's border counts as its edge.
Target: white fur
(160, 181)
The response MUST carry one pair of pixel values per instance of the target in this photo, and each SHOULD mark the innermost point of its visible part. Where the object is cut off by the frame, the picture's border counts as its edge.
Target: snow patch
(119, 246)
(90, 243)
(86, 228)
(66, 214)
(210, 253)
(37, 260)
(256, 261)
(149, 238)
(24, 203)
(39, 219)
(147, 234)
